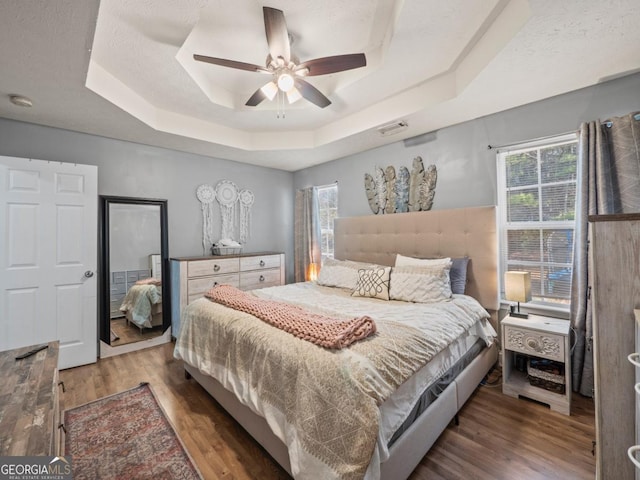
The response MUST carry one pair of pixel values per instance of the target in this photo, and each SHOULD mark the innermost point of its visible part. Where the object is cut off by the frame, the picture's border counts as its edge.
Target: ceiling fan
(286, 70)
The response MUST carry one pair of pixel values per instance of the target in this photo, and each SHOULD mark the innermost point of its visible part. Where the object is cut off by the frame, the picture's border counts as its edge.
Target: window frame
(558, 309)
(323, 231)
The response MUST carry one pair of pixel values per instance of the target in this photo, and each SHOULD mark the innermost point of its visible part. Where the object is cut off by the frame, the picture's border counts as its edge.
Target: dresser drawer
(539, 344)
(259, 262)
(202, 268)
(260, 279)
(199, 286)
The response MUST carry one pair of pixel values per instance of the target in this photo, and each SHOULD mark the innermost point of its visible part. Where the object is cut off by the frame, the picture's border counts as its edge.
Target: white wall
(466, 167)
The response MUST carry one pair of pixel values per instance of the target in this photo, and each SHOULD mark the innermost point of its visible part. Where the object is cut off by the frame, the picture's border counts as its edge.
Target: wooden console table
(29, 403)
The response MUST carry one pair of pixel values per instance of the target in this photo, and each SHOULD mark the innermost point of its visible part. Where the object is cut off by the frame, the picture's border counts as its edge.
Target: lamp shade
(517, 286)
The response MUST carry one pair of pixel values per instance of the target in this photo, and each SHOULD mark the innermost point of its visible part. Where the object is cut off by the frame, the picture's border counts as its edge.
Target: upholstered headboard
(439, 233)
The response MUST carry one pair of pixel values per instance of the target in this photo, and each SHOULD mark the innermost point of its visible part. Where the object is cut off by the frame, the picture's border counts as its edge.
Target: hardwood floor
(499, 437)
(130, 333)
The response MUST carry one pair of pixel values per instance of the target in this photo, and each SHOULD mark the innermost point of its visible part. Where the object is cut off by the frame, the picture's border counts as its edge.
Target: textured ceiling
(124, 69)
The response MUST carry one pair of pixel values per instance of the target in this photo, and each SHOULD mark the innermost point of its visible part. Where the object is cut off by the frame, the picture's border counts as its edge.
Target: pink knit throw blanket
(324, 331)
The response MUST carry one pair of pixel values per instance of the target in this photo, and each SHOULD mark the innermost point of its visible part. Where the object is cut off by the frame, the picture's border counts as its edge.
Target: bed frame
(377, 238)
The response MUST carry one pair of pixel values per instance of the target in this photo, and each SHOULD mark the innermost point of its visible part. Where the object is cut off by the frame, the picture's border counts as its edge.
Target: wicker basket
(225, 250)
(546, 374)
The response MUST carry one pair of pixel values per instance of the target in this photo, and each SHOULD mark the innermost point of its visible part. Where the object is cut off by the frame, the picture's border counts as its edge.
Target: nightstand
(534, 339)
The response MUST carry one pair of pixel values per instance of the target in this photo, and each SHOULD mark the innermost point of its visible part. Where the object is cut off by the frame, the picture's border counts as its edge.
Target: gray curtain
(608, 181)
(307, 232)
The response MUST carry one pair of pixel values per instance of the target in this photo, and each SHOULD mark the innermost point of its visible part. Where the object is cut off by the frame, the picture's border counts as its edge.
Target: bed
(412, 403)
(142, 305)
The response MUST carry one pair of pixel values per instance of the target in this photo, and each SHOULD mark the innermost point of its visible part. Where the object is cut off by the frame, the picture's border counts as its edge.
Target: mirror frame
(104, 253)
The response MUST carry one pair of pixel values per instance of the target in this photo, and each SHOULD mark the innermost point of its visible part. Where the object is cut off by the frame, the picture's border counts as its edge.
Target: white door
(48, 257)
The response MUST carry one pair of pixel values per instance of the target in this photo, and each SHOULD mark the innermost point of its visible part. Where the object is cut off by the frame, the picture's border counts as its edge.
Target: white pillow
(402, 261)
(420, 284)
(340, 273)
(373, 283)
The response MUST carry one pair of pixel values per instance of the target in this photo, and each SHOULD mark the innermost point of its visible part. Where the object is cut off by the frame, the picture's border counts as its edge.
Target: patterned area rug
(125, 436)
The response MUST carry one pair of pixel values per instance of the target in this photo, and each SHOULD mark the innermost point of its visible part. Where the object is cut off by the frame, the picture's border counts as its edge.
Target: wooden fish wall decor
(391, 192)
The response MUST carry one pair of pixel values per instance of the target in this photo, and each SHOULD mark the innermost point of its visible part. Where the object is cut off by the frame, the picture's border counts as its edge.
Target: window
(537, 189)
(328, 211)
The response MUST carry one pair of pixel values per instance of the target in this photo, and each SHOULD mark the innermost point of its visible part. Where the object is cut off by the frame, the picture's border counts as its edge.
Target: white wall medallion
(227, 196)
(246, 199)
(206, 195)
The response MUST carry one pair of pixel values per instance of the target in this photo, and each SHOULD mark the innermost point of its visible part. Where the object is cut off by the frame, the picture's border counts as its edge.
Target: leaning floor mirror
(134, 291)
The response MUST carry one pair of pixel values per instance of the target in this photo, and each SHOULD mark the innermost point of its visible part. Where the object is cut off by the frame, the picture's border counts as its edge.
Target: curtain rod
(533, 140)
(606, 123)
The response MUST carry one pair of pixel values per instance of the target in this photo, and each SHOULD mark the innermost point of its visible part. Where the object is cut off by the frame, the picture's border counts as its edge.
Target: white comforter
(442, 324)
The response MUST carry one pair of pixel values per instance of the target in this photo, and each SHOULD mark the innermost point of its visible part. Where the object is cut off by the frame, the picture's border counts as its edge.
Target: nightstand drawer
(539, 344)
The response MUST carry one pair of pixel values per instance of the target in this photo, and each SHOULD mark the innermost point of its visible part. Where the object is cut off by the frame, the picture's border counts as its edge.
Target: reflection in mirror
(136, 294)
(134, 297)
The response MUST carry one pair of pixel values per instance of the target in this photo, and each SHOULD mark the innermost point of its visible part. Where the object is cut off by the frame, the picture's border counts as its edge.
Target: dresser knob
(261, 278)
(262, 263)
(216, 268)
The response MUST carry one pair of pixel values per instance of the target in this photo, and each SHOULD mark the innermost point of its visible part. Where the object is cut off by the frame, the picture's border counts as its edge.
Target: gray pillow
(458, 274)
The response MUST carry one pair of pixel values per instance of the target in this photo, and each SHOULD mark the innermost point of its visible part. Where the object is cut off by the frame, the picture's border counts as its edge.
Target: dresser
(615, 294)
(191, 277)
(29, 403)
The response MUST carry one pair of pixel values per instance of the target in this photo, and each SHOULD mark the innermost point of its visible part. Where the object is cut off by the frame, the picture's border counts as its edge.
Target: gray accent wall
(135, 170)
(466, 167)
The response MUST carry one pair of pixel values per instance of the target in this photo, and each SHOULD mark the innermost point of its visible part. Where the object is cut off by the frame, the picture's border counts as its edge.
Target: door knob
(262, 263)
(88, 274)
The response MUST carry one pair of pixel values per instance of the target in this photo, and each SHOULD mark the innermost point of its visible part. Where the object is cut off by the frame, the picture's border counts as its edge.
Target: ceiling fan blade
(256, 98)
(231, 63)
(275, 28)
(338, 63)
(312, 94)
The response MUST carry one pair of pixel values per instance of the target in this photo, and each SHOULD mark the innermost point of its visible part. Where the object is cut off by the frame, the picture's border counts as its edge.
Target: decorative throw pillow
(373, 282)
(340, 273)
(458, 275)
(420, 284)
(402, 261)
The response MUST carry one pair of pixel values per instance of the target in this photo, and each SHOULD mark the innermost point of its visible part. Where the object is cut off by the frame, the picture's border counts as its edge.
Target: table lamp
(517, 288)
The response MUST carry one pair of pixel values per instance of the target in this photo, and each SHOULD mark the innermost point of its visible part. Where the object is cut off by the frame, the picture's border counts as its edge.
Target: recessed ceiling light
(21, 100)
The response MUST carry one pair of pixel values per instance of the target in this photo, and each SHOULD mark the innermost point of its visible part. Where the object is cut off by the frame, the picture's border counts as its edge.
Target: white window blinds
(537, 197)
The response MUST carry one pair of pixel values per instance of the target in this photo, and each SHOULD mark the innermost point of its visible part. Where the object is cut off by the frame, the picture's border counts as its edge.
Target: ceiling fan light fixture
(285, 82)
(270, 89)
(293, 95)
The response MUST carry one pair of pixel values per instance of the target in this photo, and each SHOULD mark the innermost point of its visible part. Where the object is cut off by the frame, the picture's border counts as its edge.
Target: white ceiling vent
(392, 128)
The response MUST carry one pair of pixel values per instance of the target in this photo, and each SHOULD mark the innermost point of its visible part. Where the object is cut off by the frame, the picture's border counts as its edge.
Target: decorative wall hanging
(206, 195)
(388, 192)
(227, 196)
(390, 182)
(246, 199)
(402, 190)
(381, 189)
(372, 194)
